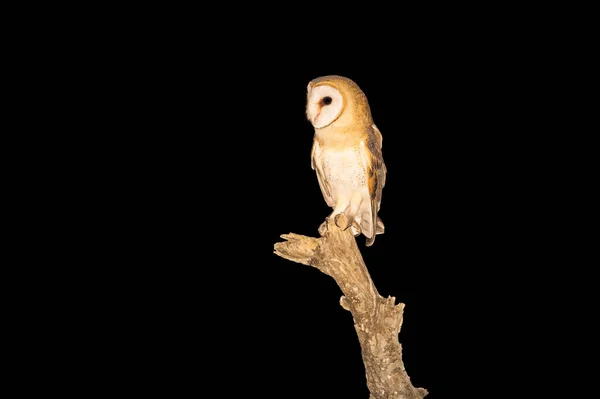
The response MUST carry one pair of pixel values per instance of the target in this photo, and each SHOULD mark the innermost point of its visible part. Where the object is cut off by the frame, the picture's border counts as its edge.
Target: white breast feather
(344, 172)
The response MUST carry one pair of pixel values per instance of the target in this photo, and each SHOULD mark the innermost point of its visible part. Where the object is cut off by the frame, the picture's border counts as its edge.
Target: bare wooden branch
(377, 320)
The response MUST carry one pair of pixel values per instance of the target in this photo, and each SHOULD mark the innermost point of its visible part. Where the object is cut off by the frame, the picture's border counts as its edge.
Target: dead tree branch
(377, 320)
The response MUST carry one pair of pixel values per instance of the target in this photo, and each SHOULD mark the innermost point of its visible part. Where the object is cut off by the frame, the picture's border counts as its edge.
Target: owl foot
(352, 224)
(340, 224)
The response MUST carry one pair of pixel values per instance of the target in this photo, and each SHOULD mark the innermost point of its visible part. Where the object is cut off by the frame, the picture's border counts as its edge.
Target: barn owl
(346, 153)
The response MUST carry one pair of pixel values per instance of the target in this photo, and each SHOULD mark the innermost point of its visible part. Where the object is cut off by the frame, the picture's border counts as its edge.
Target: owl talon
(339, 223)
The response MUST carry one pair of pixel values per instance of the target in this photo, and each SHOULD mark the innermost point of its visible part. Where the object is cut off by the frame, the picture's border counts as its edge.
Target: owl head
(336, 101)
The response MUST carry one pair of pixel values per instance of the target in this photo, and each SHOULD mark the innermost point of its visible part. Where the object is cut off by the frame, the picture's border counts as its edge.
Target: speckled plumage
(346, 152)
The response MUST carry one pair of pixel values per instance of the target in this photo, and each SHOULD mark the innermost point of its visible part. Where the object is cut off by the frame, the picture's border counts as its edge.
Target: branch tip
(345, 303)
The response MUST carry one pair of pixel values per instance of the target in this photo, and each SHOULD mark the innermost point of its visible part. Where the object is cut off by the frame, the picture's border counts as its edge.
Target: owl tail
(379, 229)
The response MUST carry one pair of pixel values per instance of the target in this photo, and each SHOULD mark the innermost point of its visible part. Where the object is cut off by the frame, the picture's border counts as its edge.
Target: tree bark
(377, 320)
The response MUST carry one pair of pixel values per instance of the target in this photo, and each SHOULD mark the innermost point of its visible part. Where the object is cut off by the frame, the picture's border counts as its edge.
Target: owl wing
(376, 172)
(316, 164)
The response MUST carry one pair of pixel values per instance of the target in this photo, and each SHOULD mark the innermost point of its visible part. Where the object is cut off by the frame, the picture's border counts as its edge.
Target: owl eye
(327, 100)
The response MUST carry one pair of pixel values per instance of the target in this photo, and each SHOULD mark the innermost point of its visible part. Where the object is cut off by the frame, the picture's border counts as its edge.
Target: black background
(209, 148)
